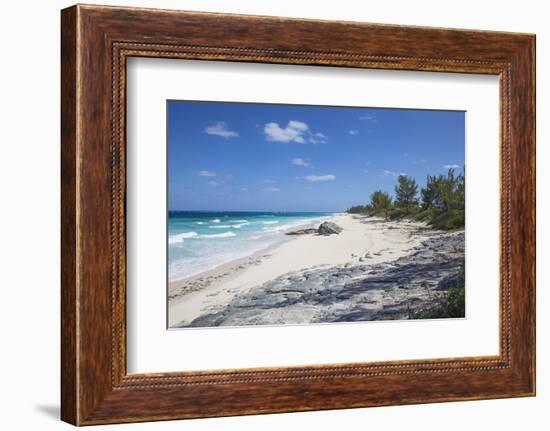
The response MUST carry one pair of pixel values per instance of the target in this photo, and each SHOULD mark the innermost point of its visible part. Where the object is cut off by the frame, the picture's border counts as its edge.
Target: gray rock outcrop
(329, 228)
(344, 293)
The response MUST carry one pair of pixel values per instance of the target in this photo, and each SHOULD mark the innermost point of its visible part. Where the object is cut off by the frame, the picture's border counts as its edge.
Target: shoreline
(364, 240)
(175, 287)
(182, 286)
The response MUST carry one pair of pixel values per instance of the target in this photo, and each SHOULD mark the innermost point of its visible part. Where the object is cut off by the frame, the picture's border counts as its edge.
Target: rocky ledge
(350, 292)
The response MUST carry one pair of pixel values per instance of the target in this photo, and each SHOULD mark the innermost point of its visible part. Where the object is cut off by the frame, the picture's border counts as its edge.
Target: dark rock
(329, 228)
(302, 232)
(453, 280)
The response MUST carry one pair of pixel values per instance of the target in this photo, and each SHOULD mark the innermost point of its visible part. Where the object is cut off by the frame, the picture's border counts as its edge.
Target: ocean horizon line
(253, 211)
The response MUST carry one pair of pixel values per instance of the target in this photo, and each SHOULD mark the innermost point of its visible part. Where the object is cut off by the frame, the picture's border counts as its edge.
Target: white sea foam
(219, 235)
(216, 220)
(270, 222)
(238, 226)
(200, 222)
(180, 237)
(237, 221)
(228, 226)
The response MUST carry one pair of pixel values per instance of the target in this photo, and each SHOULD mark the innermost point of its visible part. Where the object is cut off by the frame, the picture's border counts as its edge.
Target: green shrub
(397, 213)
(452, 306)
(448, 220)
(425, 215)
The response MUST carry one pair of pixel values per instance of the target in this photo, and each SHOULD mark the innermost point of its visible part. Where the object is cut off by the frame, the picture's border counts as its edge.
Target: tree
(444, 192)
(381, 201)
(460, 191)
(359, 209)
(452, 191)
(405, 192)
(430, 193)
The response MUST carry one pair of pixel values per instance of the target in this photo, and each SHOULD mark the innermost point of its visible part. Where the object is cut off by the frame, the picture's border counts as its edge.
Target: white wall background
(29, 214)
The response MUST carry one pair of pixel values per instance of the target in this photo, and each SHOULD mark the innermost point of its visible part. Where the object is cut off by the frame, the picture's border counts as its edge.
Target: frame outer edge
(523, 249)
(532, 100)
(69, 202)
(533, 53)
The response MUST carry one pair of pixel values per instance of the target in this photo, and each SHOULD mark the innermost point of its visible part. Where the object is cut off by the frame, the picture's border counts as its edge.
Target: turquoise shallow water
(199, 241)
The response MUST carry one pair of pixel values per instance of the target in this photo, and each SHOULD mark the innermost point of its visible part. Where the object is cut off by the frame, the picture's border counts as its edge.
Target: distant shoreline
(255, 212)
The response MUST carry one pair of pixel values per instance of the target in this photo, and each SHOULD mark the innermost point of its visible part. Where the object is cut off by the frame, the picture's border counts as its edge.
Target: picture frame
(96, 42)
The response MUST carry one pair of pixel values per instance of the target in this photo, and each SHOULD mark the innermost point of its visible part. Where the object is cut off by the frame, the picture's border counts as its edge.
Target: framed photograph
(268, 235)
(264, 215)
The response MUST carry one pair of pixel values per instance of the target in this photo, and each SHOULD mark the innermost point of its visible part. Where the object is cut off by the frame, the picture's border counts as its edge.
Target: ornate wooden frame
(95, 42)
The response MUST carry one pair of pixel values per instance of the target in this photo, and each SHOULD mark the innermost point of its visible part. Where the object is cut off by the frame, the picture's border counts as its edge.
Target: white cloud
(394, 174)
(366, 171)
(369, 117)
(213, 183)
(317, 178)
(295, 131)
(298, 161)
(271, 189)
(268, 181)
(452, 166)
(353, 132)
(244, 189)
(206, 173)
(220, 129)
(317, 138)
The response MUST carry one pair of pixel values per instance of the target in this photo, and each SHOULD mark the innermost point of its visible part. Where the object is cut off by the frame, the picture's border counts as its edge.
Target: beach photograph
(303, 214)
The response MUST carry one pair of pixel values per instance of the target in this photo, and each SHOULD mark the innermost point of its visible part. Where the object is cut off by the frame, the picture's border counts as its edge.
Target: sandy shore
(363, 240)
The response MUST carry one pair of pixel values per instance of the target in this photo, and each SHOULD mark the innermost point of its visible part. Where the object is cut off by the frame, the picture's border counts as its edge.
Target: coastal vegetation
(440, 203)
(452, 304)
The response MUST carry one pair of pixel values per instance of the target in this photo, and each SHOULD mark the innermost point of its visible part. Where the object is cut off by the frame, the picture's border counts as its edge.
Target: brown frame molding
(95, 43)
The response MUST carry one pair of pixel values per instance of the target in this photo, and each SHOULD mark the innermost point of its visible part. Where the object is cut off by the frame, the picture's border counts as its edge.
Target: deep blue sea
(200, 241)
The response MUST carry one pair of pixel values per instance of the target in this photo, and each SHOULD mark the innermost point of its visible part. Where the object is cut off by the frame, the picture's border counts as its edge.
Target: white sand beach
(363, 240)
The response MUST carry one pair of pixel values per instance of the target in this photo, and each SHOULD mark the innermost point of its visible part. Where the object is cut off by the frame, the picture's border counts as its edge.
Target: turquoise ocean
(199, 241)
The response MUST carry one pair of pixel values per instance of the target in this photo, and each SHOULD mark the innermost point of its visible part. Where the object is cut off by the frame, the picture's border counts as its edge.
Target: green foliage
(442, 201)
(401, 213)
(381, 201)
(396, 214)
(405, 193)
(429, 194)
(359, 209)
(452, 306)
(453, 303)
(425, 215)
(444, 192)
(448, 220)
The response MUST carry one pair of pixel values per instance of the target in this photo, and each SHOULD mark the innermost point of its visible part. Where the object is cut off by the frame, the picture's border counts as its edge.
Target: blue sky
(265, 157)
